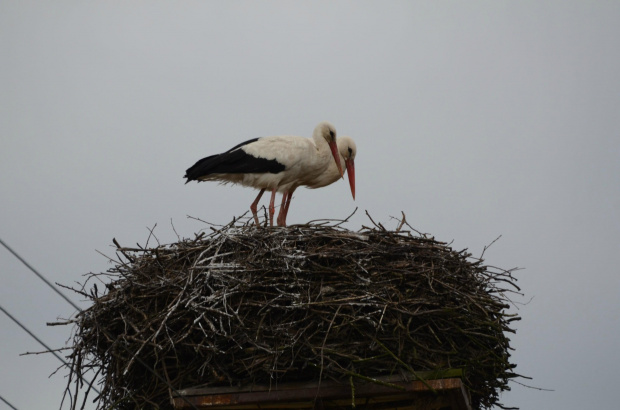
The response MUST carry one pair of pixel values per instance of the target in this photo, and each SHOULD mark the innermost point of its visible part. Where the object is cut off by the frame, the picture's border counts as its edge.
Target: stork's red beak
(336, 156)
(351, 173)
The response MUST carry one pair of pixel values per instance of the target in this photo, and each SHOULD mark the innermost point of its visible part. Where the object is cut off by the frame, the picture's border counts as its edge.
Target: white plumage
(347, 151)
(273, 163)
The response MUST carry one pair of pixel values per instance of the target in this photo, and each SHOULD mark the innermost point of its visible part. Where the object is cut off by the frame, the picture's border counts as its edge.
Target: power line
(22, 260)
(42, 344)
(32, 335)
(24, 328)
(146, 366)
(7, 403)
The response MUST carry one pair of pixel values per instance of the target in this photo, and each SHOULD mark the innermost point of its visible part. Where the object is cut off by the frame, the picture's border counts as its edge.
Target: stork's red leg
(281, 216)
(272, 207)
(255, 204)
(288, 203)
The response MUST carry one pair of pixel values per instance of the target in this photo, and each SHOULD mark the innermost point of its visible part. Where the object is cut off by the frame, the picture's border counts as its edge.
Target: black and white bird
(347, 151)
(275, 163)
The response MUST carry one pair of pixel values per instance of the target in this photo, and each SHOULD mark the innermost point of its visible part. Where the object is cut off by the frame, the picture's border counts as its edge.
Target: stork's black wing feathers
(233, 161)
(242, 144)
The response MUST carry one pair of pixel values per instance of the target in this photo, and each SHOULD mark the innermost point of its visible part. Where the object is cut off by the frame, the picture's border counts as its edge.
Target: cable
(7, 403)
(62, 295)
(42, 344)
(33, 335)
(146, 366)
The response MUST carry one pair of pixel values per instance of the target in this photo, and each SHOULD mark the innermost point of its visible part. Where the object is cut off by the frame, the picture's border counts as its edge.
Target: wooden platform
(393, 393)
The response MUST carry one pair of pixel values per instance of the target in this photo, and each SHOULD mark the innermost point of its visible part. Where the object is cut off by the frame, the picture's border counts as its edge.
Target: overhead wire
(24, 328)
(48, 283)
(35, 337)
(7, 403)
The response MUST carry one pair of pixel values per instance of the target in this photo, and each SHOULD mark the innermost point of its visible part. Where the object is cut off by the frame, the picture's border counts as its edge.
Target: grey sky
(476, 120)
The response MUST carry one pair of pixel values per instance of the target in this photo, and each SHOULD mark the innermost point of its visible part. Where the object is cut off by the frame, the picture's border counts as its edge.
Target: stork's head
(348, 150)
(327, 131)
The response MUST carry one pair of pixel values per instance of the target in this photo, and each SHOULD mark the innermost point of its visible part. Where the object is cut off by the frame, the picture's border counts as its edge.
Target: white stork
(347, 151)
(271, 163)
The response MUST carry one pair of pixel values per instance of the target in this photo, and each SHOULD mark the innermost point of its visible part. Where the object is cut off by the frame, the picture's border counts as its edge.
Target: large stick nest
(242, 305)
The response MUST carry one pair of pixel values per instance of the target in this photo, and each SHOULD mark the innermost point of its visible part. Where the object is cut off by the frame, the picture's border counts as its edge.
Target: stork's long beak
(336, 156)
(351, 173)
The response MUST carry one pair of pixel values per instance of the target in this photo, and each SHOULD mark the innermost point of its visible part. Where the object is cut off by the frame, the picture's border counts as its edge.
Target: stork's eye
(332, 135)
(350, 151)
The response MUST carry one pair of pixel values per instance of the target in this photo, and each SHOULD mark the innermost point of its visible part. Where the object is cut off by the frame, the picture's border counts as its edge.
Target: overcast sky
(476, 119)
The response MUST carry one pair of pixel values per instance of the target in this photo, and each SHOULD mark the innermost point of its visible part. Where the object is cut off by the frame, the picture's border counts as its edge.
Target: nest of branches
(242, 305)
